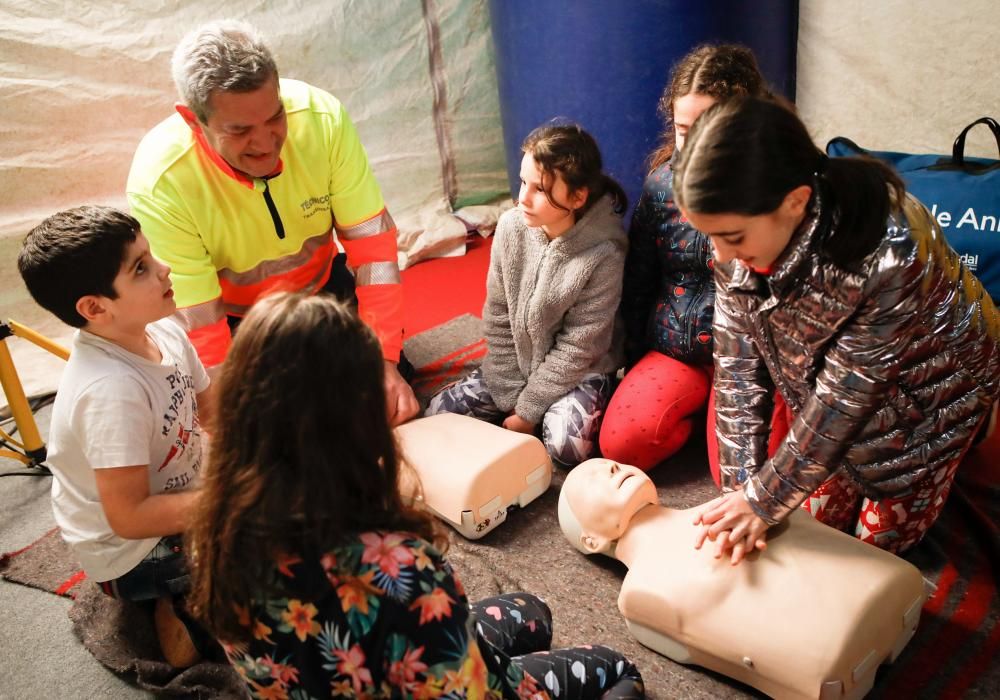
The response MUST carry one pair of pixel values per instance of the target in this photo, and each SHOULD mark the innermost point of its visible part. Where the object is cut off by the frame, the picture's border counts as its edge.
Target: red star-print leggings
(649, 416)
(893, 524)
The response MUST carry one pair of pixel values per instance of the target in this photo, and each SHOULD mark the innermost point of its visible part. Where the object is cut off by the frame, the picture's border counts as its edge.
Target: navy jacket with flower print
(668, 295)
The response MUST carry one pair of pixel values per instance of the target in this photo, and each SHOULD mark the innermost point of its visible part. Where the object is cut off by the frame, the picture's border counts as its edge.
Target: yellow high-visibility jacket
(230, 239)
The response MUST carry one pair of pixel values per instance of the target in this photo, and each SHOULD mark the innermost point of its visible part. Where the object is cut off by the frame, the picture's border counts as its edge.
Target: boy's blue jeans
(163, 572)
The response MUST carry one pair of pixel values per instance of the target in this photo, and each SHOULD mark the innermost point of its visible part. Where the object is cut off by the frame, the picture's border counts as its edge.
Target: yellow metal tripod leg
(22, 331)
(20, 409)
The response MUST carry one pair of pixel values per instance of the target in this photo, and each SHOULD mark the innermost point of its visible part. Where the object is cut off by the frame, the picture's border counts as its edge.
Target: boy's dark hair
(744, 155)
(719, 71)
(73, 254)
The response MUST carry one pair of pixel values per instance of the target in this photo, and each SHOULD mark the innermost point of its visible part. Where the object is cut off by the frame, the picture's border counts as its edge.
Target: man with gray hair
(241, 191)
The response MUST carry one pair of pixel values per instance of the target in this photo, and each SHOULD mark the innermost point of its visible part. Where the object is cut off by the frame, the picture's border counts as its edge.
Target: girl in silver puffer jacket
(839, 291)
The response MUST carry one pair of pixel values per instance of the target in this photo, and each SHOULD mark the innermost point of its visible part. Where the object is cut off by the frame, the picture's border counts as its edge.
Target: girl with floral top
(316, 576)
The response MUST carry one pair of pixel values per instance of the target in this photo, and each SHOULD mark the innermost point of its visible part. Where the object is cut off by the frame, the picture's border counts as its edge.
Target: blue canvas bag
(963, 194)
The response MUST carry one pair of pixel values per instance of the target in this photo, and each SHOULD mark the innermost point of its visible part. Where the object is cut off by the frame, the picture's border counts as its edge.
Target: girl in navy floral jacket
(668, 297)
(316, 576)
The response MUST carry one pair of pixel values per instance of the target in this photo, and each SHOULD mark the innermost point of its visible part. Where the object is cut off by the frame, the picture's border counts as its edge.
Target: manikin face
(686, 110)
(248, 129)
(537, 210)
(604, 496)
(145, 293)
(756, 241)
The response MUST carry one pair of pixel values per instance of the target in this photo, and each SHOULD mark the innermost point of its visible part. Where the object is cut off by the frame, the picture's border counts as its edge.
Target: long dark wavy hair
(568, 149)
(743, 156)
(301, 455)
(720, 71)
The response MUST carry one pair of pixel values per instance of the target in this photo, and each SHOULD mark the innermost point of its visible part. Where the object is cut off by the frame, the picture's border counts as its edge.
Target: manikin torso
(812, 616)
(472, 472)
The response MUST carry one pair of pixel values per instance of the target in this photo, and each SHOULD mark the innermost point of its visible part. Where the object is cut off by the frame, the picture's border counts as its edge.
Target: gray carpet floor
(40, 657)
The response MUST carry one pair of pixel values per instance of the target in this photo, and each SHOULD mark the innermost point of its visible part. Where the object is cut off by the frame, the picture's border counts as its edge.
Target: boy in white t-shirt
(125, 442)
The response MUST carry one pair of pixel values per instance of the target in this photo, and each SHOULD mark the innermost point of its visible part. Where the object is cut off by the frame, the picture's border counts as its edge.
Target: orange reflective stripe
(377, 273)
(272, 267)
(380, 248)
(371, 253)
(212, 342)
(381, 307)
(306, 270)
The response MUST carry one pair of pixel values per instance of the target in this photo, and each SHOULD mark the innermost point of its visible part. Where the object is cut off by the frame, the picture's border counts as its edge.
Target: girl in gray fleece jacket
(553, 337)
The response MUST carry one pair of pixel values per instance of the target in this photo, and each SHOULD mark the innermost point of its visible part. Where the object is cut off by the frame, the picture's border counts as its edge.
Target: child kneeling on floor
(125, 437)
(314, 572)
(553, 338)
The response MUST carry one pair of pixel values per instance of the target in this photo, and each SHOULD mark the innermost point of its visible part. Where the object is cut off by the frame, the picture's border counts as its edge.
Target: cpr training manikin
(811, 616)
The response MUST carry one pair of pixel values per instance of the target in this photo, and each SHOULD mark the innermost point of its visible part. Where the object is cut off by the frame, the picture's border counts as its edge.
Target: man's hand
(401, 404)
(731, 523)
(518, 425)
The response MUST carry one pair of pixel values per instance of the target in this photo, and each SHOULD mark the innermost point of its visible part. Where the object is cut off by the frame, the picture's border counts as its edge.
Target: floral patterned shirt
(382, 615)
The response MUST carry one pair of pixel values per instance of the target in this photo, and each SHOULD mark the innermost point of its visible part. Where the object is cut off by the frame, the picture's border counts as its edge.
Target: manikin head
(598, 500)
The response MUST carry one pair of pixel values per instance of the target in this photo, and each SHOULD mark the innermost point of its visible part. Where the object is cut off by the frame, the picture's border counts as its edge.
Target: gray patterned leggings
(569, 427)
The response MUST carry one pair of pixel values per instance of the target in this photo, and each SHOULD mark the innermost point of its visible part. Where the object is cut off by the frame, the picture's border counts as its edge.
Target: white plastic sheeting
(81, 82)
(897, 75)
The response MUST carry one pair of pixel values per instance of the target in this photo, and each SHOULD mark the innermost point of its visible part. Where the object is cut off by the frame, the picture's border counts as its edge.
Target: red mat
(438, 290)
(955, 651)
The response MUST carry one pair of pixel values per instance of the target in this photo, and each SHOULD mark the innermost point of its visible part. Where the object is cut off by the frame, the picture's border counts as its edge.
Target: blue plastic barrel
(604, 64)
